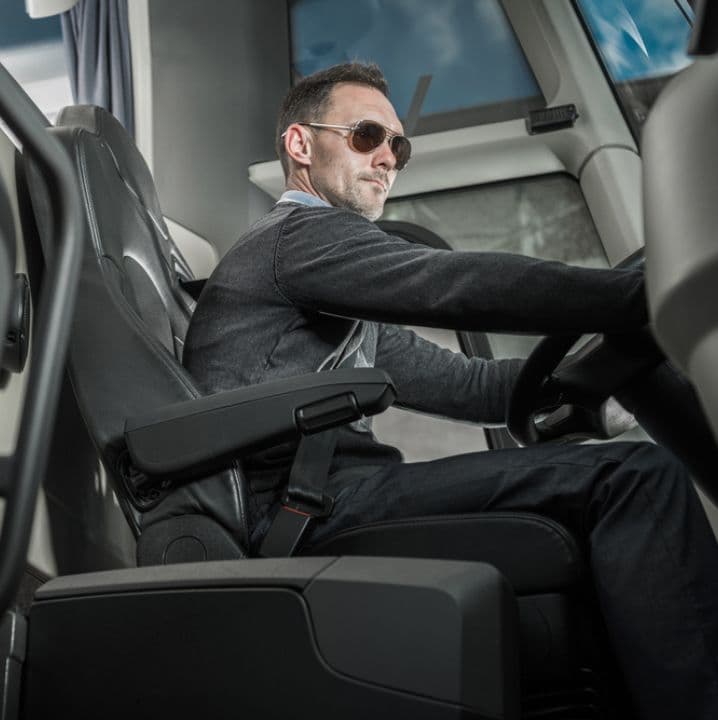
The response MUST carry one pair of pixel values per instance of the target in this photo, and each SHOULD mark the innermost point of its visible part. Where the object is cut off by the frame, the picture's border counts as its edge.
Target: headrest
(128, 159)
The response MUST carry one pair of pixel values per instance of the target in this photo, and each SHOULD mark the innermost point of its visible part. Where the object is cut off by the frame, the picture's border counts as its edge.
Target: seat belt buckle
(291, 522)
(314, 504)
(303, 501)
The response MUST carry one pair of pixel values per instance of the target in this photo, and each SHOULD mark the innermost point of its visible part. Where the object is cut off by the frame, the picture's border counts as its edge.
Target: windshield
(449, 64)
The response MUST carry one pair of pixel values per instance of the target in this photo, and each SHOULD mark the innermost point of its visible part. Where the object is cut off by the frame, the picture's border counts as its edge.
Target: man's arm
(438, 381)
(334, 261)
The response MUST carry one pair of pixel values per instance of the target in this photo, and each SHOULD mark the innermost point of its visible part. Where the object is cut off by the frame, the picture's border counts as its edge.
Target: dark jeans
(653, 555)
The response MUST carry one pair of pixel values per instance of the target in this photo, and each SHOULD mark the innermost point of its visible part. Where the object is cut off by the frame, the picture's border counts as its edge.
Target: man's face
(344, 177)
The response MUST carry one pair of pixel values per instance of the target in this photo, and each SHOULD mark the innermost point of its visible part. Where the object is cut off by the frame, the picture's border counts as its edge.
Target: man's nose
(384, 156)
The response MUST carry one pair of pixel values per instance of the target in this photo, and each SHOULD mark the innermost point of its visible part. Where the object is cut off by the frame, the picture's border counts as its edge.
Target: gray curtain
(97, 46)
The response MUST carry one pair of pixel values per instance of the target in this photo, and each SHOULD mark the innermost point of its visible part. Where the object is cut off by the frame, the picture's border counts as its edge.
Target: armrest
(203, 434)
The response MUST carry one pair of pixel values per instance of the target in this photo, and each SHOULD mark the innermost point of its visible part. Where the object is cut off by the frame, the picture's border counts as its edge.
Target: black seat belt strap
(304, 499)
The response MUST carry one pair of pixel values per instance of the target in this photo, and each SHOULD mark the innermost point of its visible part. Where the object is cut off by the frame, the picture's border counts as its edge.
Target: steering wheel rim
(525, 402)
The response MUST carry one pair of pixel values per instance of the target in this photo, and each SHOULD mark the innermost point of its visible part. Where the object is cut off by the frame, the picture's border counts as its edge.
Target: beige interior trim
(46, 8)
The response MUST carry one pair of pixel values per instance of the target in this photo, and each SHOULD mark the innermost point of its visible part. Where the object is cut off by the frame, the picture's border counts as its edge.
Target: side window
(544, 217)
(33, 53)
(421, 437)
(642, 44)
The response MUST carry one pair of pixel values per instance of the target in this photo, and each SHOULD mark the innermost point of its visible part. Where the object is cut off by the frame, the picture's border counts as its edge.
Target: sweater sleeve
(438, 381)
(334, 261)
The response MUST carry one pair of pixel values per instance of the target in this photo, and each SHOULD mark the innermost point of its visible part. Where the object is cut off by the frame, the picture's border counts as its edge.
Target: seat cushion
(537, 555)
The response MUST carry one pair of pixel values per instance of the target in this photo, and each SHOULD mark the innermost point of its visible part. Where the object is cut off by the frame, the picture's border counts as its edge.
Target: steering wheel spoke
(569, 423)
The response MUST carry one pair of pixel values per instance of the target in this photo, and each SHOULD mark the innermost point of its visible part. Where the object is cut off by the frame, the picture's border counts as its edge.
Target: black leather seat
(125, 359)
(126, 345)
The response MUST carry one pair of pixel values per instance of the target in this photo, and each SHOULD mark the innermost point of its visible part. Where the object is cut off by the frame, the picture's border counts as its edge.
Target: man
(316, 285)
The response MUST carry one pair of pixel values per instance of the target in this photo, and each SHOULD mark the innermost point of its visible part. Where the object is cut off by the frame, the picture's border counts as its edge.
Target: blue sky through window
(639, 38)
(467, 46)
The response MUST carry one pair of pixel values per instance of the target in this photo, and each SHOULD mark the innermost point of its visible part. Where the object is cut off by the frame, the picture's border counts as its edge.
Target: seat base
(565, 658)
(534, 553)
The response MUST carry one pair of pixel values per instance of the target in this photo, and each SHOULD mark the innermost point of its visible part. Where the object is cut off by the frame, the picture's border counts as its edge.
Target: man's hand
(615, 419)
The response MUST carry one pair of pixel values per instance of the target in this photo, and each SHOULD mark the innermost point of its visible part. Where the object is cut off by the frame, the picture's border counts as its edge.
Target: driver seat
(125, 358)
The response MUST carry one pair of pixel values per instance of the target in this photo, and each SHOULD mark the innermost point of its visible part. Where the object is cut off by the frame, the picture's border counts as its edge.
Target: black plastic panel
(294, 573)
(447, 630)
(152, 646)
(17, 336)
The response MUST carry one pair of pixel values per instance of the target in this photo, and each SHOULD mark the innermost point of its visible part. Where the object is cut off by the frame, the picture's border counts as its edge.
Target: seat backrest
(131, 234)
(129, 328)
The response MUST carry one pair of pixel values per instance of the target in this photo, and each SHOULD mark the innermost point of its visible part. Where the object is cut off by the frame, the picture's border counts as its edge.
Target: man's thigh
(552, 480)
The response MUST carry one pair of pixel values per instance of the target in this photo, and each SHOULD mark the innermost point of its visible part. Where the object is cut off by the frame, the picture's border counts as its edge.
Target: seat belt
(305, 498)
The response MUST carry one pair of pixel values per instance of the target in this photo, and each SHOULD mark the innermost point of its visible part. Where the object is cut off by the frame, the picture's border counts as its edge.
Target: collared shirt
(299, 196)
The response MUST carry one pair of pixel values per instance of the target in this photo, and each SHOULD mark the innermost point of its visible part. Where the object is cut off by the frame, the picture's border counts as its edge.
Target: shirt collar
(299, 196)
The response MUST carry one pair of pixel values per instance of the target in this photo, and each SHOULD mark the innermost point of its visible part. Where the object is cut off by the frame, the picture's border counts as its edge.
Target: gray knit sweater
(311, 288)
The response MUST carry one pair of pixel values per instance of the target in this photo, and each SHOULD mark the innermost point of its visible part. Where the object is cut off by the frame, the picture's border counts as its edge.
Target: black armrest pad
(205, 433)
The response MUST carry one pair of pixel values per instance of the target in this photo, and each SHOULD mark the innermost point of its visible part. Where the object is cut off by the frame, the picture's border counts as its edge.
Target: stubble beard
(351, 198)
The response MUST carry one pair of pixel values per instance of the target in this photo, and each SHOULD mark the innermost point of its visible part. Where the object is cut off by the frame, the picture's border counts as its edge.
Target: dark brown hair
(308, 99)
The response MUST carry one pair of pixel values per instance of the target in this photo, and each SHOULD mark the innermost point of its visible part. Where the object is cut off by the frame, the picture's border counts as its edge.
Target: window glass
(32, 52)
(544, 217)
(642, 44)
(464, 49)
(17, 28)
(424, 437)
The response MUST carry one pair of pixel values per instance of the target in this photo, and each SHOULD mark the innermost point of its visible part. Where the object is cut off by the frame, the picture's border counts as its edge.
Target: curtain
(97, 46)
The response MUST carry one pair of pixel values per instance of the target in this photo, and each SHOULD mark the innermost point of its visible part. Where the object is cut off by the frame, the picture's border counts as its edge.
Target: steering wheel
(535, 392)
(558, 397)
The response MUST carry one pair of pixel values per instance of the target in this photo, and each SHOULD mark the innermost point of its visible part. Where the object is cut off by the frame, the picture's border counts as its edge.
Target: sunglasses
(366, 136)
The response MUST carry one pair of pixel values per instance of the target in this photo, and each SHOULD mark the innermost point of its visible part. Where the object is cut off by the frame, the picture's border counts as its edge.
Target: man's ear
(298, 144)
